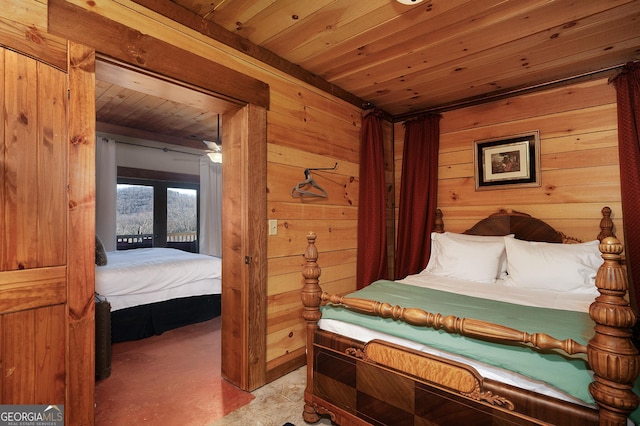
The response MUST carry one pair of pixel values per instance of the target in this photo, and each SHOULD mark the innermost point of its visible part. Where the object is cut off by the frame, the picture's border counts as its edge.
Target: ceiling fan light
(213, 146)
(409, 1)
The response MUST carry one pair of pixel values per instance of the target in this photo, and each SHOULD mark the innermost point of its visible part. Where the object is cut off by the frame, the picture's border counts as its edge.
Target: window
(182, 215)
(152, 213)
(134, 216)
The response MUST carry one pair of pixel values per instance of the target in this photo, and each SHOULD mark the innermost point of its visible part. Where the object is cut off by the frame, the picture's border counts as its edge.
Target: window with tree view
(134, 216)
(157, 214)
(182, 215)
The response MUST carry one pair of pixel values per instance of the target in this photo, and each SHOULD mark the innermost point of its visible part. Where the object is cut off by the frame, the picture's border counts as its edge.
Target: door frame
(245, 270)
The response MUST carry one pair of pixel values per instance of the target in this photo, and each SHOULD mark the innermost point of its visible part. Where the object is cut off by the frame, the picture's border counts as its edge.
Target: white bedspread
(141, 276)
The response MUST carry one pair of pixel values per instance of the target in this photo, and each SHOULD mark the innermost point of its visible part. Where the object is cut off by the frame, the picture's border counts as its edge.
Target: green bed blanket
(568, 373)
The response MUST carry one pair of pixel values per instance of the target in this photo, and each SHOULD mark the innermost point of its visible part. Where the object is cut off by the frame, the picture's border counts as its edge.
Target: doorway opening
(124, 95)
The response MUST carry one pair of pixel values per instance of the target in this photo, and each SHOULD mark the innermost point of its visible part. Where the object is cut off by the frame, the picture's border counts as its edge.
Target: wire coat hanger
(309, 187)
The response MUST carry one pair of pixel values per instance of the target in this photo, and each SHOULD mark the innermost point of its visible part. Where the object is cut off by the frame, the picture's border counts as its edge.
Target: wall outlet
(273, 226)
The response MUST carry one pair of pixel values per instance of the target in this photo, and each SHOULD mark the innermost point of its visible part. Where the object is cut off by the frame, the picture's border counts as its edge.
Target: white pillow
(466, 259)
(549, 266)
(447, 236)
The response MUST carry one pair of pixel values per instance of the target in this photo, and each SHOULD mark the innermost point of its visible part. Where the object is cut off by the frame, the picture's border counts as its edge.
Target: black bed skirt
(143, 321)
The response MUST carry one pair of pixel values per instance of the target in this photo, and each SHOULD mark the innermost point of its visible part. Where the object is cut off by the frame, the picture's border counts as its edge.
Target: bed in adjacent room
(511, 322)
(152, 290)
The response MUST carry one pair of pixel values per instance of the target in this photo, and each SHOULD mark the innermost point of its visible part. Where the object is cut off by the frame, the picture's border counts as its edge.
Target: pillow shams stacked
(467, 257)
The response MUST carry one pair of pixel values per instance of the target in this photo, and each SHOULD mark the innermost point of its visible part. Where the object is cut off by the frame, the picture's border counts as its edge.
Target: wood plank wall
(308, 132)
(306, 128)
(579, 158)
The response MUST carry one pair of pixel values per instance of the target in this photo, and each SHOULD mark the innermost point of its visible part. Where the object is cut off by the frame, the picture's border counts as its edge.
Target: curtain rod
(509, 93)
(154, 147)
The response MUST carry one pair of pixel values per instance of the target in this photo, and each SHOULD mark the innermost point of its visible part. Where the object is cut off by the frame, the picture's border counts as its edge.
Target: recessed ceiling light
(409, 1)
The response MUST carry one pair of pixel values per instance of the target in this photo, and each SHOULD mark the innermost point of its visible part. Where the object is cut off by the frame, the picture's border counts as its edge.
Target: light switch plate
(273, 226)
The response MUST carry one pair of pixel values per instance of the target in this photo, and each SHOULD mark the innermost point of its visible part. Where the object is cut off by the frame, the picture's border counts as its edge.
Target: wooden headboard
(525, 227)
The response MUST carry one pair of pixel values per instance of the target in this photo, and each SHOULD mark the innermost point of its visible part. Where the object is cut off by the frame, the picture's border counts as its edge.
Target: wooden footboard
(467, 327)
(378, 383)
(458, 389)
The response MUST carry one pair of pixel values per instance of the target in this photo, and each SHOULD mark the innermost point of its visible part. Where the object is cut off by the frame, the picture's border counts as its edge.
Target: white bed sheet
(494, 291)
(506, 292)
(141, 276)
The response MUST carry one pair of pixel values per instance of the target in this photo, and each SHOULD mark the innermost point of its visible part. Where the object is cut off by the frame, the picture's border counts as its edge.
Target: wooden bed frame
(381, 383)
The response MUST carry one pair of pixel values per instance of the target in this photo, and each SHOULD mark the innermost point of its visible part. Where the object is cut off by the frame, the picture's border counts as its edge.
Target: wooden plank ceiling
(405, 59)
(140, 106)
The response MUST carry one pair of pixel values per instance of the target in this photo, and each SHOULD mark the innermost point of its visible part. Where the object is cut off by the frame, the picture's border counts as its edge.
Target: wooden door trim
(149, 53)
(244, 238)
(241, 91)
(80, 354)
(32, 42)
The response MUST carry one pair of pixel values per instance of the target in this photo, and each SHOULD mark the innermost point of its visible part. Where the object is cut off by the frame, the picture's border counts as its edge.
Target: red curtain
(627, 85)
(372, 233)
(418, 194)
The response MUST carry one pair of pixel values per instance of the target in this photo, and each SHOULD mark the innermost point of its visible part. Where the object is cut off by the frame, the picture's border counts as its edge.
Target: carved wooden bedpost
(606, 224)
(612, 356)
(311, 313)
(438, 223)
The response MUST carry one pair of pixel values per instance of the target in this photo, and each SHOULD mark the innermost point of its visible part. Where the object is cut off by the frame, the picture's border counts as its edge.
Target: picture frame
(507, 162)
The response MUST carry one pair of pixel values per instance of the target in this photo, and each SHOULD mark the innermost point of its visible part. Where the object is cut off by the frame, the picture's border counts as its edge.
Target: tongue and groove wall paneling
(309, 126)
(579, 158)
(307, 129)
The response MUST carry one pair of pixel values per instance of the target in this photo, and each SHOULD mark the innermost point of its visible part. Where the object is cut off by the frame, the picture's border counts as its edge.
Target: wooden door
(46, 221)
(34, 227)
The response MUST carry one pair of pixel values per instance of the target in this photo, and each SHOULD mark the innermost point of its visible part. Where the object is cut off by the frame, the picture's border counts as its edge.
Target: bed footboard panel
(356, 389)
